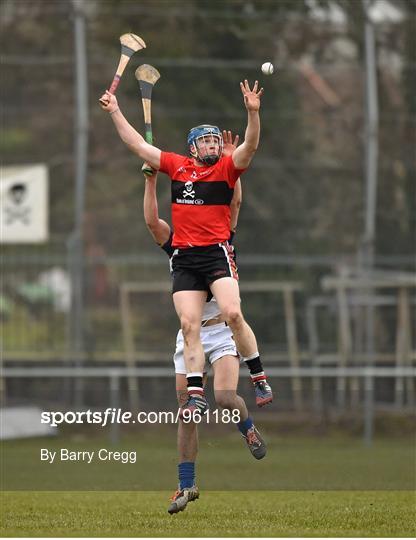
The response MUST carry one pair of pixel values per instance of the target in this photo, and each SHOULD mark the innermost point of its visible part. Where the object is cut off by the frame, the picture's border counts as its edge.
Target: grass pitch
(224, 464)
(237, 513)
(327, 487)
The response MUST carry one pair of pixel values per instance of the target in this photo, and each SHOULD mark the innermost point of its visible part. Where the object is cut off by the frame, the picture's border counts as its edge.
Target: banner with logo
(24, 204)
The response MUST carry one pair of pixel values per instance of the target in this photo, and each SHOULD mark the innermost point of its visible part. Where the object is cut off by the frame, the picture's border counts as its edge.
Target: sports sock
(186, 471)
(245, 425)
(255, 366)
(194, 384)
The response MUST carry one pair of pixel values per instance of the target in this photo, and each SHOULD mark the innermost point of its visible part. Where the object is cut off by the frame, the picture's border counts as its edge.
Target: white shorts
(217, 341)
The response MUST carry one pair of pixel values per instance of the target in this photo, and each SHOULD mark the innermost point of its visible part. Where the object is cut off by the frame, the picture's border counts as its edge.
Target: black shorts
(195, 268)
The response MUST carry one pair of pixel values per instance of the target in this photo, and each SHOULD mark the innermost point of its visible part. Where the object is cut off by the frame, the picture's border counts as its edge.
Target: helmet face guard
(198, 134)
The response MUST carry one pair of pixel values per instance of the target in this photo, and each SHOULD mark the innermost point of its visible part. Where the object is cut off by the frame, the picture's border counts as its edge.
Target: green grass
(250, 513)
(224, 464)
(310, 486)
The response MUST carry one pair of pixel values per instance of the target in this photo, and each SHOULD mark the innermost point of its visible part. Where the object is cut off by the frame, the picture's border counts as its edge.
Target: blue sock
(245, 425)
(186, 474)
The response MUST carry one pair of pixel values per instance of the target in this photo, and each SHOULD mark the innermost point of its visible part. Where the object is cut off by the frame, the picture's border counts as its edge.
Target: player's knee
(234, 316)
(189, 327)
(225, 399)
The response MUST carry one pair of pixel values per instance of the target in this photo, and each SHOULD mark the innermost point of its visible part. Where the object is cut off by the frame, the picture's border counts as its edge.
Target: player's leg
(187, 440)
(189, 306)
(262, 389)
(187, 434)
(226, 371)
(227, 294)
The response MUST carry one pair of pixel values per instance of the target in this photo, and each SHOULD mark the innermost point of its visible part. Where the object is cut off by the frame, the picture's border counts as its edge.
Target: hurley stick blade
(130, 43)
(147, 77)
(147, 74)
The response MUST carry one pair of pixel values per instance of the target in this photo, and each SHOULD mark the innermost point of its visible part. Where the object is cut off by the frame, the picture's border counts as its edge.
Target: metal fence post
(368, 407)
(311, 322)
(81, 167)
(345, 341)
(114, 404)
(129, 346)
(293, 347)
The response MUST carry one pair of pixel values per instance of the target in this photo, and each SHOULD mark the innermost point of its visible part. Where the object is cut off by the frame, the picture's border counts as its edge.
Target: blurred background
(325, 238)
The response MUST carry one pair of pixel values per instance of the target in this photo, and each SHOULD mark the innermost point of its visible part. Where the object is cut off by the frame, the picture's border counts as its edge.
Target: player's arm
(235, 205)
(245, 152)
(132, 138)
(158, 228)
(229, 148)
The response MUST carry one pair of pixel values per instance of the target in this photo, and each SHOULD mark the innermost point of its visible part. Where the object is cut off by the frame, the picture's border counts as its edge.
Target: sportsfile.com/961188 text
(117, 416)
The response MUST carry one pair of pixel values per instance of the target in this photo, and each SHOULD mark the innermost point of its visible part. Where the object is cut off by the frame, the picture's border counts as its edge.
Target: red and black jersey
(201, 198)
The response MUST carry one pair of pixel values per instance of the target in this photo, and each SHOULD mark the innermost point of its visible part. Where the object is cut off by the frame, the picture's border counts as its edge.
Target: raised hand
(229, 145)
(149, 172)
(251, 97)
(108, 102)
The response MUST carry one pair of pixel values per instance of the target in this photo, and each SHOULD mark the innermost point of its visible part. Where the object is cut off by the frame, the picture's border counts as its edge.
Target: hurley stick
(147, 77)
